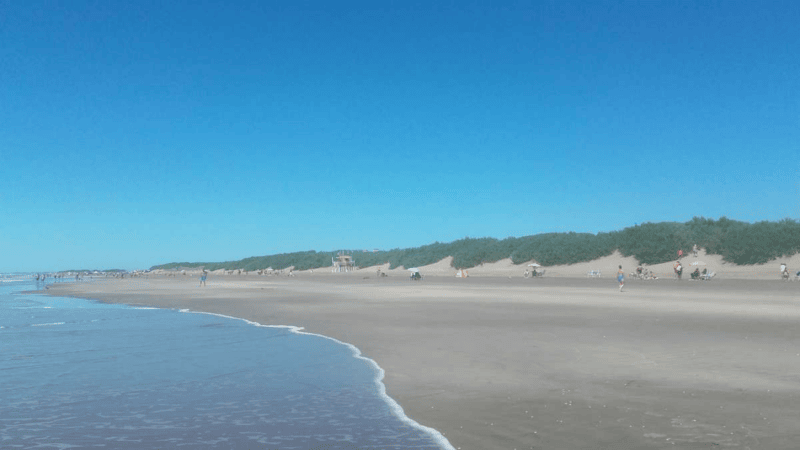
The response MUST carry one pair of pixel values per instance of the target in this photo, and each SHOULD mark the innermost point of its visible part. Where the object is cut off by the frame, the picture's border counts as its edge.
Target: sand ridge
(607, 266)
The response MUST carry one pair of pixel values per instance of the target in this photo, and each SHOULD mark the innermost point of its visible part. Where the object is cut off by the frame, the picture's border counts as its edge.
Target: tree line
(650, 243)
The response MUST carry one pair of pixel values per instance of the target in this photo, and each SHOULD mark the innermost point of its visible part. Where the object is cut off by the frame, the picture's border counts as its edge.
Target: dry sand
(551, 363)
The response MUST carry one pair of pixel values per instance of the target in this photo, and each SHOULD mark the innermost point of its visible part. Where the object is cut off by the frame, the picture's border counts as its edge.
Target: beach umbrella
(534, 265)
(698, 263)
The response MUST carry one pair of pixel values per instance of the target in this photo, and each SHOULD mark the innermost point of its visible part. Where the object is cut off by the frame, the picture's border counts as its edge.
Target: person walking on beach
(694, 250)
(621, 278)
(203, 278)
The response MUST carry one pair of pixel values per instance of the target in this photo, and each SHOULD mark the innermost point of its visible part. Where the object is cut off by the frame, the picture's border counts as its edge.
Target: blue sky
(140, 133)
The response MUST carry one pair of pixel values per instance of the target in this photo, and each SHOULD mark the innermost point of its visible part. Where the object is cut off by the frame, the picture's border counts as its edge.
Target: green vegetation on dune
(737, 242)
(551, 249)
(300, 260)
(93, 270)
(650, 243)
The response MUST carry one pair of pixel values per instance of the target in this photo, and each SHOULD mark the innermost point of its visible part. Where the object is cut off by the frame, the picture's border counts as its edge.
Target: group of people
(696, 275)
(678, 267)
(694, 251)
(644, 274)
(528, 274)
(44, 276)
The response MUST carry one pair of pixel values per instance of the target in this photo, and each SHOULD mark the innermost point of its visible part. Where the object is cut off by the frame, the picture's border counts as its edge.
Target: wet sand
(550, 363)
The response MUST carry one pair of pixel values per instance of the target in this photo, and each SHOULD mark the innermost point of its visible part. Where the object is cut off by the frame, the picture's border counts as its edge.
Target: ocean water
(81, 374)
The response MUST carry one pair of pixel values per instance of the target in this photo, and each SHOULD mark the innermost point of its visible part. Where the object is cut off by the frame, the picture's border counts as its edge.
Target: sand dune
(607, 266)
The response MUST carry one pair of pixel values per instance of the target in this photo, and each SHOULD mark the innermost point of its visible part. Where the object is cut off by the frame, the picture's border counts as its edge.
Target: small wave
(47, 324)
(144, 307)
(378, 380)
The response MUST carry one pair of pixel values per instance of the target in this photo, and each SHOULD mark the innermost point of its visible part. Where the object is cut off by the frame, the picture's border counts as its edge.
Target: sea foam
(395, 407)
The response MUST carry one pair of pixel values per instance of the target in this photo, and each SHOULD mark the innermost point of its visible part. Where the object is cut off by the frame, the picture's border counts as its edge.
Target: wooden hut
(343, 263)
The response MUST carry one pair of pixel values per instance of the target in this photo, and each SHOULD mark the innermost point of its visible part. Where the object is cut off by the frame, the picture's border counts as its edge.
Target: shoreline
(492, 362)
(395, 407)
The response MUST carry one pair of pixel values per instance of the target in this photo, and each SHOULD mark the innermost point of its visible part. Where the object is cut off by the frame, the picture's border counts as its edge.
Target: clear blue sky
(143, 132)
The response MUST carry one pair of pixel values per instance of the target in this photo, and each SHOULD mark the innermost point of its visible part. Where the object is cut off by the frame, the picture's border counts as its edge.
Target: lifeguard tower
(343, 263)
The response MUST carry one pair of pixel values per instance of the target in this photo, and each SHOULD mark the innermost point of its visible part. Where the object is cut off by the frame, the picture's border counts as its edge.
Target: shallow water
(81, 374)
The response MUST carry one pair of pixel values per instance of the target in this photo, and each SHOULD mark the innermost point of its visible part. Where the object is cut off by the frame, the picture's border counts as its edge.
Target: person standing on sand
(203, 278)
(694, 250)
(621, 278)
(677, 268)
(680, 253)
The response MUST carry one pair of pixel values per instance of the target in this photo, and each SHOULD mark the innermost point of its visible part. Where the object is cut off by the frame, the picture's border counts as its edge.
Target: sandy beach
(497, 361)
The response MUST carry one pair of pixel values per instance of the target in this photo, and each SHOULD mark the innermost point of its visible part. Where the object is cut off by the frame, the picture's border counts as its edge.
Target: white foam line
(393, 405)
(46, 324)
